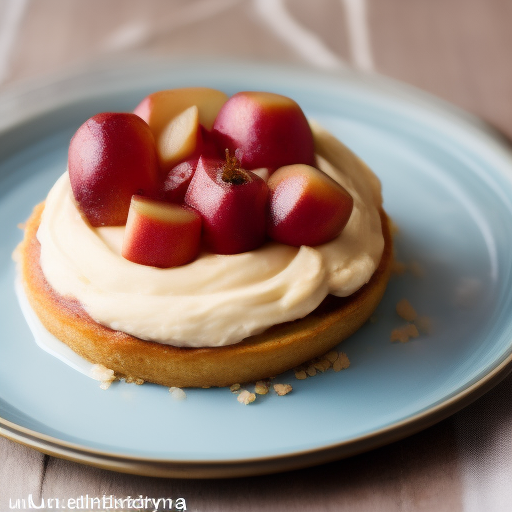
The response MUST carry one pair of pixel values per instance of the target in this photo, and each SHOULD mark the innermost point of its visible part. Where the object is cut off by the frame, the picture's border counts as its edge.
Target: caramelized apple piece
(111, 157)
(232, 202)
(265, 130)
(161, 234)
(306, 207)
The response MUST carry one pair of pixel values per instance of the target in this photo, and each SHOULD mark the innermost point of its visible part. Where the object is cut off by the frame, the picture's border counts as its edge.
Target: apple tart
(189, 249)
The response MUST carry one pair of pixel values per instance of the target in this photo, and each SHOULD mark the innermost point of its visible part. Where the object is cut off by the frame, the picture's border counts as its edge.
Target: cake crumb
(424, 324)
(22, 225)
(406, 311)
(235, 388)
(261, 387)
(341, 363)
(301, 374)
(134, 380)
(103, 374)
(322, 365)
(282, 389)
(246, 397)
(403, 334)
(311, 371)
(331, 356)
(177, 393)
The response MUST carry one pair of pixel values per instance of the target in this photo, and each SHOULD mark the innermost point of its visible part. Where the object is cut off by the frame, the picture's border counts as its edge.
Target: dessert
(260, 275)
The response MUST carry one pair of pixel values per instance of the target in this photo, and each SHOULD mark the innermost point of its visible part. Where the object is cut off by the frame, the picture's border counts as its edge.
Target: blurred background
(456, 49)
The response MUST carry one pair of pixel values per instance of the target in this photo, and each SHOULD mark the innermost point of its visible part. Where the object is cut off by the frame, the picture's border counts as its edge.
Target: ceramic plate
(447, 185)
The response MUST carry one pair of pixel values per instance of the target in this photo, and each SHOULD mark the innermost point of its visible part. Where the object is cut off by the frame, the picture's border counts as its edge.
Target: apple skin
(112, 156)
(264, 130)
(178, 180)
(160, 107)
(234, 215)
(306, 207)
(160, 234)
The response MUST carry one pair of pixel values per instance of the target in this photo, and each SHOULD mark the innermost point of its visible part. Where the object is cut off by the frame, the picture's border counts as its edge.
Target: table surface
(455, 49)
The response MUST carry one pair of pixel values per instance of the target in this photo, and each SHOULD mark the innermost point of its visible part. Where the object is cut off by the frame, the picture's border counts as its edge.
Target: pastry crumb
(406, 311)
(261, 387)
(424, 324)
(403, 334)
(323, 365)
(105, 375)
(301, 374)
(341, 363)
(246, 397)
(235, 388)
(311, 371)
(22, 225)
(134, 380)
(331, 356)
(177, 393)
(282, 389)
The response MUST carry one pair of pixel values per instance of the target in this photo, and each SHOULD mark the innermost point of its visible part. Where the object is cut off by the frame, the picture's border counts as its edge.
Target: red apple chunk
(112, 156)
(265, 130)
(161, 234)
(232, 202)
(306, 206)
(177, 181)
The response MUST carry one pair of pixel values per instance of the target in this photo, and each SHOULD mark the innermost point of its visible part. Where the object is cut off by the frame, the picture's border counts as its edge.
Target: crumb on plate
(235, 388)
(177, 393)
(246, 397)
(282, 389)
(261, 387)
(406, 311)
(404, 333)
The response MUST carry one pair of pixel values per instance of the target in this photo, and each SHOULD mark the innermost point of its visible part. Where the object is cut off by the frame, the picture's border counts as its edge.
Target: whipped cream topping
(217, 299)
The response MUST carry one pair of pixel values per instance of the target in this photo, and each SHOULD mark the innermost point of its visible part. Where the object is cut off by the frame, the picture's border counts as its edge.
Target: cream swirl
(215, 300)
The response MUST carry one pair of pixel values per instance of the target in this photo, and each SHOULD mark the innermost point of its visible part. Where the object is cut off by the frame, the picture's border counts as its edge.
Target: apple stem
(232, 172)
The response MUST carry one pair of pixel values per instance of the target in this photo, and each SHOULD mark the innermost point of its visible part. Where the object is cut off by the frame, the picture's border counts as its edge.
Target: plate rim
(211, 468)
(219, 468)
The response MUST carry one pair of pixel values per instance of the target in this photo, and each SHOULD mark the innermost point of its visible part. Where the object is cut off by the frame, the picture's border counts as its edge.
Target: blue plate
(447, 185)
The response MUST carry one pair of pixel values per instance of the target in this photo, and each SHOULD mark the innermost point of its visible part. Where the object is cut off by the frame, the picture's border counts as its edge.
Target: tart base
(268, 354)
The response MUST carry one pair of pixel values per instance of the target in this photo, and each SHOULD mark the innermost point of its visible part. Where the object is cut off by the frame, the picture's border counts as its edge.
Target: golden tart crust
(270, 353)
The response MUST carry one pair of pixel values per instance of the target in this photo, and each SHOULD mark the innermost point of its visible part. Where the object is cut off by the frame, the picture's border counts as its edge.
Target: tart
(268, 352)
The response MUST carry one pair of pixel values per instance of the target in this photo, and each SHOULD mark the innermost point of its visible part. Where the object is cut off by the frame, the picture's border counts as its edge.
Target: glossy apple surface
(178, 180)
(161, 234)
(232, 203)
(112, 156)
(306, 207)
(265, 130)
